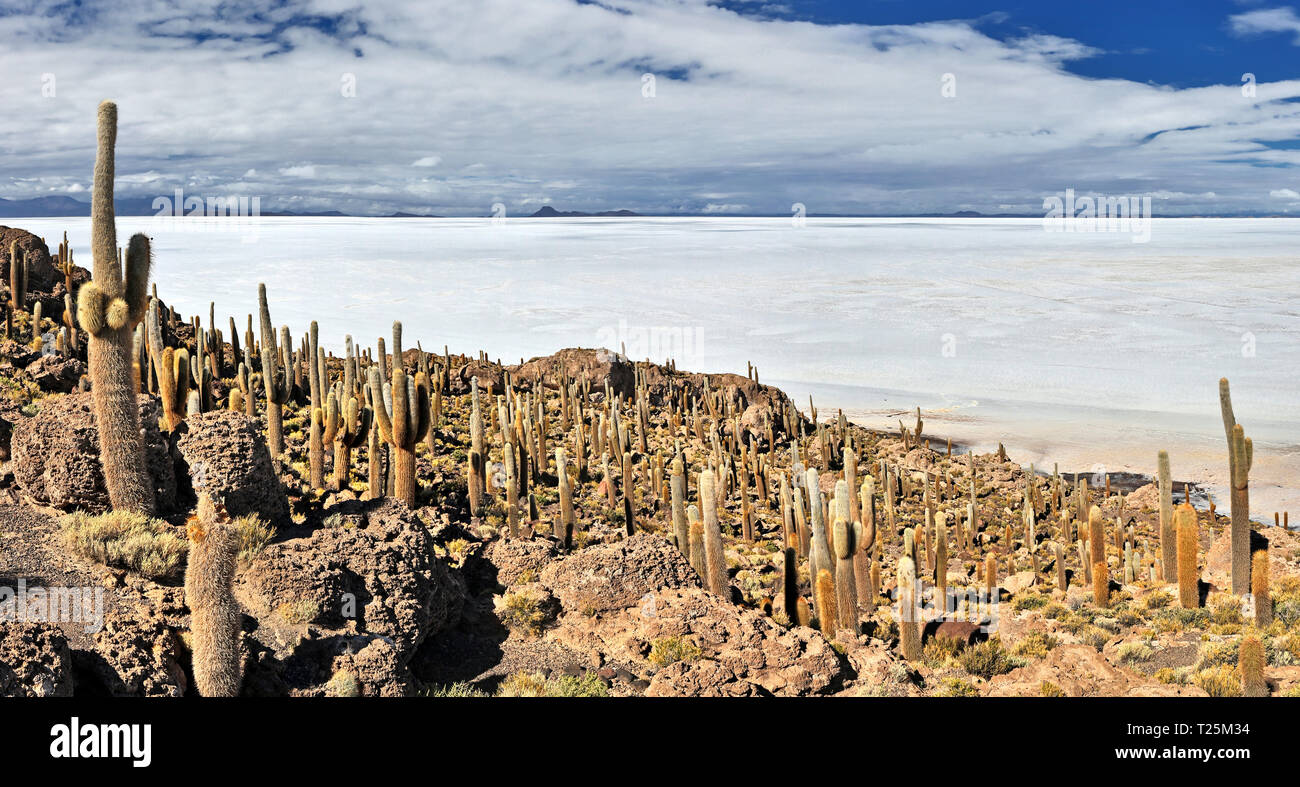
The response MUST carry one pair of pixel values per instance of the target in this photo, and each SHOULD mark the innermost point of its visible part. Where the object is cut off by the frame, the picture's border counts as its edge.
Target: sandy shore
(1085, 440)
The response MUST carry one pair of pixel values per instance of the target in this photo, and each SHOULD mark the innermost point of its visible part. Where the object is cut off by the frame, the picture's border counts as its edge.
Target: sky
(724, 107)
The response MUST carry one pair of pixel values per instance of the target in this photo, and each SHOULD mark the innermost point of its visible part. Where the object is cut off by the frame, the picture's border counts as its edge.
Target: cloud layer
(448, 108)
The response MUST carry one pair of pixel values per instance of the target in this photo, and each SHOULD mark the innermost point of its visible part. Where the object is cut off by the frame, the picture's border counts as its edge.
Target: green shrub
(987, 659)
(670, 650)
(121, 539)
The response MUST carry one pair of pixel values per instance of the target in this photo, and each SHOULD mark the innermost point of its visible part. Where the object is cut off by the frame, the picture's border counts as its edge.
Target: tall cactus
(848, 537)
(109, 307)
(1189, 580)
(1240, 457)
(677, 487)
(277, 382)
(714, 554)
(1168, 536)
(404, 426)
(214, 612)
(909, 632)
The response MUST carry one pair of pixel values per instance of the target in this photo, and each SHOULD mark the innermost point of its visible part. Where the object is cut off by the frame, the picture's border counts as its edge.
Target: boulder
(1080, 671)
(487, 373)
(618, 575)
(56, 455)
(56, 373)
(35, 661)
(228, 458)
(519, 560)
(597, 366)
(371, 575)
(138, 656)
(45, 282)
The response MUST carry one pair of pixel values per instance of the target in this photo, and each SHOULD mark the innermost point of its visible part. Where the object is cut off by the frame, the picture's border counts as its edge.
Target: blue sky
(660, 106)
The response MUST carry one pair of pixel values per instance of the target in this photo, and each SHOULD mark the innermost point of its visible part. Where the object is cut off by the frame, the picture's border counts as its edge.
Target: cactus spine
(214, 613)
(110, 306)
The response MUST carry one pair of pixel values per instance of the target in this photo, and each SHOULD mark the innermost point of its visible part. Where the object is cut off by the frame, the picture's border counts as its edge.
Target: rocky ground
(358, 594)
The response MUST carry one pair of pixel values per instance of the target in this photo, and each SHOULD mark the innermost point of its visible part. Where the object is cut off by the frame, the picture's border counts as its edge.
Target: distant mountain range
(64, 206)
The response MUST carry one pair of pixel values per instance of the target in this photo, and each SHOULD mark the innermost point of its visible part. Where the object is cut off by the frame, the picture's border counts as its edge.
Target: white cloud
(524, 99)
(1267, 20)
(1284, 194)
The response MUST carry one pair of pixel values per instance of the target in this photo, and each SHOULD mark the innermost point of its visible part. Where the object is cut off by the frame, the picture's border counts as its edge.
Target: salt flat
(1085, 349)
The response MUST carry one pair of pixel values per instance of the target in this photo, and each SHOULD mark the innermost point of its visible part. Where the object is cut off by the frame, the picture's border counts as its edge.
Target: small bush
(535, 684)
(987, 659)
(522, 611)
(1220, 681)
(1025, 601)
(1159, 599)
(956, 687)
(254, 535)
(121, 539)
(1049, 689)
(1133, 652)
(670, 650)
(299, 612)
(454, 690)
(1036, 645)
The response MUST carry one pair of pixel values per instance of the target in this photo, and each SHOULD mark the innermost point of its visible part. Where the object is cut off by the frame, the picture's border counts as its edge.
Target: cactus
(476, 477)
(512, 489)
(1240, 457)
(677, 485)
(1189, 580)
(1168, 536)
(214, 614)
(276, 382)
(848, 535)
(908, 626)
(1100, 584)
(565, 525)
(110, 306)
(404, 426)
(698, 560)
(714, 554)
(17, 285)
(1250, 661)
(1259, 589)
(827, 614)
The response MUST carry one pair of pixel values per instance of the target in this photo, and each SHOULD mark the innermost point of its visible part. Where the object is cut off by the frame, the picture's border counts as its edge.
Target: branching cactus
(276, 381)
(109, 307)
(404, 425)
(350, 427)
(214, 612)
